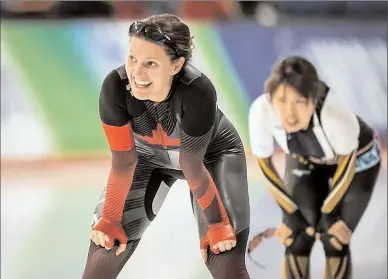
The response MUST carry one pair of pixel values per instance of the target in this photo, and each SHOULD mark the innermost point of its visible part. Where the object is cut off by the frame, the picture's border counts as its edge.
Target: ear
(177, 65)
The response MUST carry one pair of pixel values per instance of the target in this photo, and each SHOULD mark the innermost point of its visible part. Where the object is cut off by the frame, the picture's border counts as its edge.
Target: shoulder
(195, 85)
(261, 138)
(113, 106)
(114, 84)
(336, 110)
(340, 124)
(260, 107)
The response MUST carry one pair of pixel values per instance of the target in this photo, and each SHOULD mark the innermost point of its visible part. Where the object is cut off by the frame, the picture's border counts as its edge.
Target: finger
(122, 238)
(336, 227)
(335, 243)
(101, 238)
(107, 246)
(228, 245)
(285, 228)
(346, 232)
(310, 231)
(345, 235)
(288, 232)
(234, 242)
(341, 224)
(341, 237)
(339, 233)
(288, 242)
(204, 254)
(215, 250)
(282, 226)
(280, 230)
(347, 229)
(220, 246)
(333, 229)
(283, 231)
(121, 248)
(92, 235)
(96, 239)
(282, 239)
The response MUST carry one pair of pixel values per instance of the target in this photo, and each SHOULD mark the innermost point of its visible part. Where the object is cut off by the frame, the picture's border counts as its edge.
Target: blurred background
(54, 158)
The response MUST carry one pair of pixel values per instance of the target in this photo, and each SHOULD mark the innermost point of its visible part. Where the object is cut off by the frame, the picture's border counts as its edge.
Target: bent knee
(302, 245)
(333, 247)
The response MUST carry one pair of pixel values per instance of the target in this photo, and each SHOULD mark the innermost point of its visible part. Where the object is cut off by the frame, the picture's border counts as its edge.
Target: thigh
(359, 193)
(307, 185)
(357, 197)
(229, 173)
(149, 188)
(104, 264)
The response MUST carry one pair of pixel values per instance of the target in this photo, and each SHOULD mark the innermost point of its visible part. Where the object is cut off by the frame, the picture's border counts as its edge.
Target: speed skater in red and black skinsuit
(184, 136)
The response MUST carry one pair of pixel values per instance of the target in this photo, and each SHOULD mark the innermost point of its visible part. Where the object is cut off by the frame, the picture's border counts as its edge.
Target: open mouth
(142, 84)
(292, 123)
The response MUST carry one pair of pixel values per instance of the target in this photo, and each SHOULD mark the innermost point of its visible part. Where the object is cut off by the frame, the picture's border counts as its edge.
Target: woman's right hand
(282, 232)
(105, 232)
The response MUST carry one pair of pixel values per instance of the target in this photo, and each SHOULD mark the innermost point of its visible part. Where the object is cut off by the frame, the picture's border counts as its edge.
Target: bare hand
(341, 231)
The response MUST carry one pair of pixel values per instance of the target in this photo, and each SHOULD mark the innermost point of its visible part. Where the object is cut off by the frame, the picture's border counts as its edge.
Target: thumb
(204, 255)
(121, 249)
(215, 249)
(122, 237)
(310, 231)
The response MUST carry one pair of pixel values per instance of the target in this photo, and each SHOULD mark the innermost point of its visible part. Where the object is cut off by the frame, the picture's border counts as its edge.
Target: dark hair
(177, 31)
(299, 73)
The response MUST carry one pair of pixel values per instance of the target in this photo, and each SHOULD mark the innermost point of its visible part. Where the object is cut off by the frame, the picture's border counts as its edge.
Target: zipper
(160, 129)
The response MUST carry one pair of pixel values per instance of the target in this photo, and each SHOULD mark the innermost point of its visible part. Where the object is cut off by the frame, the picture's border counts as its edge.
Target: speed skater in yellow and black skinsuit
(331, 170)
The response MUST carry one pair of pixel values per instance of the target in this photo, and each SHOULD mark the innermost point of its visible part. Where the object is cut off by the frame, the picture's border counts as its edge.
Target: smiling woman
(150, 68)
(161, 120)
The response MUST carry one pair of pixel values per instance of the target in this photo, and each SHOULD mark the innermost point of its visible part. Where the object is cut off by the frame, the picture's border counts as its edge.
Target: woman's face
(150, 70)
(293, 110)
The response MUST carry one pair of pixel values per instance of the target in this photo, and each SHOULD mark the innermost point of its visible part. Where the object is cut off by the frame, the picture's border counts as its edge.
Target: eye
(151, 64)
(282, 99)
(301, 101)
(131, 58)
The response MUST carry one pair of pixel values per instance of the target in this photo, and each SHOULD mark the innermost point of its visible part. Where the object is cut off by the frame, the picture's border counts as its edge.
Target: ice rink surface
(46, 214)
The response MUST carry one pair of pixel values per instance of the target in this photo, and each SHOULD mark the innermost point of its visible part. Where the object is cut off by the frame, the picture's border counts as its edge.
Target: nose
(288, 109)
(137, 70)
(290, 112)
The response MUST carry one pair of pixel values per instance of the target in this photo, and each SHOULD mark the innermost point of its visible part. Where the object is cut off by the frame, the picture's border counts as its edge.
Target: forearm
(205, 192)
(276, 186)
(340, 182)
(118, 185)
